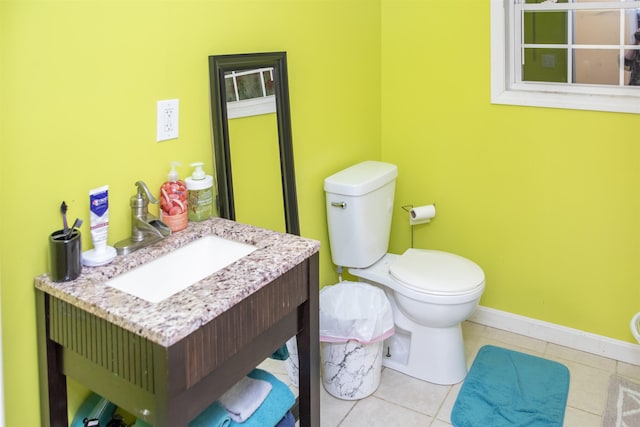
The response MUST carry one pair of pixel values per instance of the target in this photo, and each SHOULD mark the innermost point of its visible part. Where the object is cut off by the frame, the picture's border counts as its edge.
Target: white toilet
(431, 292)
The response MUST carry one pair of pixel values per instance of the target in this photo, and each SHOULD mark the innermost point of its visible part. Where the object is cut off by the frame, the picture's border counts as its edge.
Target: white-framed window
(250, 92)
(564, 53)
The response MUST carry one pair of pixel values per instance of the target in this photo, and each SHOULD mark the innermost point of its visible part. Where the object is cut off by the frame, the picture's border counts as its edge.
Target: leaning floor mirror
(252, 144)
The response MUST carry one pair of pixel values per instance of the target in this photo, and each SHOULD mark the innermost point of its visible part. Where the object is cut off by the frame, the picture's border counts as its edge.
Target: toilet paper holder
(420, 214)
(417, 215)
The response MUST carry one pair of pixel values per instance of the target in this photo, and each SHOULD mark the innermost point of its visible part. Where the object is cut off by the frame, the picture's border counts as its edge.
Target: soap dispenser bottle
(200, 191)
(173, 201)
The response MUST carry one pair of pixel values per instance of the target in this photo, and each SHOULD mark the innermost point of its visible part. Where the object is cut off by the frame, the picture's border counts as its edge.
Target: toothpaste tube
(99, 207)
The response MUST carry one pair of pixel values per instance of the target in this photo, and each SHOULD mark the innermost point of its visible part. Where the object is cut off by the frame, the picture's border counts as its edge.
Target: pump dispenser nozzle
(200, 190)
(198, 173)
(173, 173)
(173, 200)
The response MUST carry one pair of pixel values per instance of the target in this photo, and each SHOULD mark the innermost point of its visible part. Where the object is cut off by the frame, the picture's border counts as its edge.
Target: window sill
(574, 101)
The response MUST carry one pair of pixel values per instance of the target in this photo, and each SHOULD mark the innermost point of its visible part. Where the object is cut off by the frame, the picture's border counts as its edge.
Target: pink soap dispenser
(173, 201)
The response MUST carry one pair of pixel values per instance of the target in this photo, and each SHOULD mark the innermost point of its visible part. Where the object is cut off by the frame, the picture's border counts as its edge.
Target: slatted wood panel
(127, 355)
(220, 339)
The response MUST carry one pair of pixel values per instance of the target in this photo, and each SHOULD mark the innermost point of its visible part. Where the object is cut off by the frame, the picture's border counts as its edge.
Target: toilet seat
(436, 272)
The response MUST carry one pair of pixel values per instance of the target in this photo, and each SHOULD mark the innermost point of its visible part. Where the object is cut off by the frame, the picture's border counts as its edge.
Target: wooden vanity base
(170, 386)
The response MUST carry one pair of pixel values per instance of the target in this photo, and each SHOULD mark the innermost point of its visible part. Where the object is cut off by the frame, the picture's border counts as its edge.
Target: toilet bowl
(431, 292)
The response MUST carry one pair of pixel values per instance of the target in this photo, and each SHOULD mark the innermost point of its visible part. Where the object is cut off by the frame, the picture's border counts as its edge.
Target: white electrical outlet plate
(167, 123)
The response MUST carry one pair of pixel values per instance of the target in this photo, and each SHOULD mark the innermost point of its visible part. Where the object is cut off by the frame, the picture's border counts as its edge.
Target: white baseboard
(557, 334)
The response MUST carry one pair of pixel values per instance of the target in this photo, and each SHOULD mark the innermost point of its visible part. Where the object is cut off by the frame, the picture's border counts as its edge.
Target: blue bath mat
(509, 388)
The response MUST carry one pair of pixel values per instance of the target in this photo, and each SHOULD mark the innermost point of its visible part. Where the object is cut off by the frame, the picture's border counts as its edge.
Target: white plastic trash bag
(354, 311)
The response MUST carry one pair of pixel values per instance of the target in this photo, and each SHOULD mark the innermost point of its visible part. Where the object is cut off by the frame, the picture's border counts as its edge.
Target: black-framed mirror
(221, 66)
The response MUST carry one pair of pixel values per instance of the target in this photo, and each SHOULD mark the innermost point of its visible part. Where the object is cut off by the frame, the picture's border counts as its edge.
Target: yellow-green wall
(255, 171)
(545, 200)
(79, 85)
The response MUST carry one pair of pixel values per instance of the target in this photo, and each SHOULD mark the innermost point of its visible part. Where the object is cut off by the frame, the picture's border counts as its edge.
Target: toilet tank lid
(361, 178)
(437, 272)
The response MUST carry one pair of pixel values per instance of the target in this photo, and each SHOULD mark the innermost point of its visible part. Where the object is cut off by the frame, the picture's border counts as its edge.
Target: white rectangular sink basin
(169, 274)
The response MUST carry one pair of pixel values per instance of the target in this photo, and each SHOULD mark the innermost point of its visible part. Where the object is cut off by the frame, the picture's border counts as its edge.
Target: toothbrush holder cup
(65, 253)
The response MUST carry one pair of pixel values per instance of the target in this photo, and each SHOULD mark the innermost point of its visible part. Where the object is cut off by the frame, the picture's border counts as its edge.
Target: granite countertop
(177, 316)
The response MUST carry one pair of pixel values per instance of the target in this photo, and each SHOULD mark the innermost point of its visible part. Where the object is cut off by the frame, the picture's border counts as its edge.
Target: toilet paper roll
(422, 214)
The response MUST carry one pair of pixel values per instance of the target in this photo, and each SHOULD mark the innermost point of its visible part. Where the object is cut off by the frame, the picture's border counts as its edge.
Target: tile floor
(404, 401)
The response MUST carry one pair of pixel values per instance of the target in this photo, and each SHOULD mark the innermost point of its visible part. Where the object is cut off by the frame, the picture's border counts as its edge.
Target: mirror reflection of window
(250, 92)
(577, 41)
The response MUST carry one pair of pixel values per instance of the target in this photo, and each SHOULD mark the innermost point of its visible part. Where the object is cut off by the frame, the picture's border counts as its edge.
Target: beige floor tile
(516, 340)
(375, 412)
(595, 361)
(471, 346)
(576, 418)
(444, 414)
(482, 341)
(470, 329)
(629, 371)
(587, 388)
(274, 366)
(333, 410)
(440, 423)
(411, 393)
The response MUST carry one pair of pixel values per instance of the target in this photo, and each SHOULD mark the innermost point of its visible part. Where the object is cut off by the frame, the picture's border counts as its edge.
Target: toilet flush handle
(341, 205)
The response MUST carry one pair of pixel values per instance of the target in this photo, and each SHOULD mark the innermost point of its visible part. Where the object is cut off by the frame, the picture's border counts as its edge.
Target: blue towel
(287, 421)
(280, 354)
(213, 416)
(272, 410)
(276, 405)
(509, 388)
(94, 407)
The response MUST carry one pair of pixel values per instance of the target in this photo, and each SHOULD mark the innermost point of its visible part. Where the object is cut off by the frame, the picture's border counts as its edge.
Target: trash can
(292, 363)
(355, 318)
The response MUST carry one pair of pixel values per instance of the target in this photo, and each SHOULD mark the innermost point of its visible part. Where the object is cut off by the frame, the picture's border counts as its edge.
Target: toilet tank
(359, 208)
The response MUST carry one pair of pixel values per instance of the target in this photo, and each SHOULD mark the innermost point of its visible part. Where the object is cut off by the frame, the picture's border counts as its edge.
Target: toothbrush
(76, 224)
(63, 211)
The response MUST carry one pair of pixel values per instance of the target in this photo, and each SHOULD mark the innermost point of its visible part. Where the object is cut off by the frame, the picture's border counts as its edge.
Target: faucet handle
(144, 193)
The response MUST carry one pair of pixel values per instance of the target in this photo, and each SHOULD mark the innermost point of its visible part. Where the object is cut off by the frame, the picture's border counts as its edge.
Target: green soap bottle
(200, 194)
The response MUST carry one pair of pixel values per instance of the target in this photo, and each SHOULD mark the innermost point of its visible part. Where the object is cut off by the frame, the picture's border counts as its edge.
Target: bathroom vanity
(166, 362)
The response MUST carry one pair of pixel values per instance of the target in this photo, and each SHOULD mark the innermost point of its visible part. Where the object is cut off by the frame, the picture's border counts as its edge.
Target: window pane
(268, 82)
(545, 65)
(545, 27)
(631, 20)
(249, 86)
(231, 93)
(537, 62)
(597, 27)
(597, 66)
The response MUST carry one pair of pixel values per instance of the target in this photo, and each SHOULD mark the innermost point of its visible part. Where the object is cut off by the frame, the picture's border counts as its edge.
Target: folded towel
(287, 421)
(213, 416)
(242, 400)
(274, 408)
(280, 354)
(270, 413)
(94, 407)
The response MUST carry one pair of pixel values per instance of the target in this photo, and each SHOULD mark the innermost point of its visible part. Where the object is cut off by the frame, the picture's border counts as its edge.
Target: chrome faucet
(146, 229)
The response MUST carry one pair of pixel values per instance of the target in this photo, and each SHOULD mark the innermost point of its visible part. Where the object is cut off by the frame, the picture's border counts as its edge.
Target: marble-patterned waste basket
(292, 364)
(355, 318)
(351, 370)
